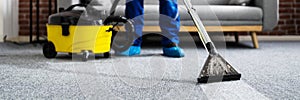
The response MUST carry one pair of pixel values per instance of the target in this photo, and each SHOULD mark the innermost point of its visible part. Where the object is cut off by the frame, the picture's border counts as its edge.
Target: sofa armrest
(270, 13)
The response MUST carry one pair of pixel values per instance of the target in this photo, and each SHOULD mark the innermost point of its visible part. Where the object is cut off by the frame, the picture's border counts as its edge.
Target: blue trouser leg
(169, 21)
(135, 10)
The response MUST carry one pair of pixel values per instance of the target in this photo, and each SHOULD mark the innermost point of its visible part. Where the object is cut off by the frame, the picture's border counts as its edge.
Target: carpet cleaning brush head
(217, 69)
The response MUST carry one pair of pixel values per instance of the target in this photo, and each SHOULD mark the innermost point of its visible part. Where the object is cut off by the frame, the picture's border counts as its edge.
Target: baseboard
(1, 38)
(20, 39)
(228, 38)
(17, 39)
(208, 28)
(266, 38)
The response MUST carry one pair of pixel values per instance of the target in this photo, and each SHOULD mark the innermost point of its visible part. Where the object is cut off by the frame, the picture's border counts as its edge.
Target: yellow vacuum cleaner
(83, 32)
(82, 39)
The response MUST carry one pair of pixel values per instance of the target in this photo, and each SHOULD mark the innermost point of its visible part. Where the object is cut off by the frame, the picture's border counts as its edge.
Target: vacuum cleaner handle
(113, 7)
(208, 44)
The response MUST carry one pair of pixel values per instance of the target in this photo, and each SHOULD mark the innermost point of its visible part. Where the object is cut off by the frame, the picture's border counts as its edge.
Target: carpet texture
(270, 72)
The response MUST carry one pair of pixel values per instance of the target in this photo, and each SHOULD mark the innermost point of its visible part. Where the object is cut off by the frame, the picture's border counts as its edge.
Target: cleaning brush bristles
(216, 69)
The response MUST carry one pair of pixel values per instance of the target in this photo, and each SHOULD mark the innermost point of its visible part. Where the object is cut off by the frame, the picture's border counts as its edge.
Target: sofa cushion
(195, 2)
(213, 12)
(224, 12)
(205, 2)
(239, 2)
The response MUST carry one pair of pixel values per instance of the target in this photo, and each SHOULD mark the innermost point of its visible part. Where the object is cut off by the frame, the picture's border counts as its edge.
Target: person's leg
(170, 25)
(134, 10)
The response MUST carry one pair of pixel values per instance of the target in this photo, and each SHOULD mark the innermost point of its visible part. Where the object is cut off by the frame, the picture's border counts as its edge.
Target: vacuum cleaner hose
(121, 40)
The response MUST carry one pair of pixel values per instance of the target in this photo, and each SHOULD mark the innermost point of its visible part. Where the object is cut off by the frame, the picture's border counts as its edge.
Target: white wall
(11, 19)
(9, 12)
(1, 20)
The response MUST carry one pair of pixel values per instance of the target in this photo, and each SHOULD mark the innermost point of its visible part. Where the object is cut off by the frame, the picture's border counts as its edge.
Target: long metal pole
(37, 20)
(55, 5)
(207, 42)
(30, 21)
(50, 7)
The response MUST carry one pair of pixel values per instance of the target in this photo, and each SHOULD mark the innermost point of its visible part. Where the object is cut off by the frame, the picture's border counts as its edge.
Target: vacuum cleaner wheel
(49, 50)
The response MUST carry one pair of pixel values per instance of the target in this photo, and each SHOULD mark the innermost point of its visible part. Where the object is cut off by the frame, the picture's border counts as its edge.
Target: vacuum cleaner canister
(71, 32)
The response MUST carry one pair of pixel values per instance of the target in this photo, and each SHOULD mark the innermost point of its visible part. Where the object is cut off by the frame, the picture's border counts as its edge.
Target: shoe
(174, 51)
(132, 51)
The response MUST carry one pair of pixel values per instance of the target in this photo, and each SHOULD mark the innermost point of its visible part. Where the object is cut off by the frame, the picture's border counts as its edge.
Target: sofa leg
(254, 40)
(236, 37)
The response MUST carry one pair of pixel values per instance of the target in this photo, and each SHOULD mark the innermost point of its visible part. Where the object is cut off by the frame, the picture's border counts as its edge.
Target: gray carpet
(271, 72)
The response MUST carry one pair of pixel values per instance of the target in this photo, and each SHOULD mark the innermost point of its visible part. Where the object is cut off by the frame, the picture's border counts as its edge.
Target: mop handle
(113, 7)
(200, 27)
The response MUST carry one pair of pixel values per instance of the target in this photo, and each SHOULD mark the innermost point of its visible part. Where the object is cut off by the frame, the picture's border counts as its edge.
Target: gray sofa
(256, 16)
(217, 15)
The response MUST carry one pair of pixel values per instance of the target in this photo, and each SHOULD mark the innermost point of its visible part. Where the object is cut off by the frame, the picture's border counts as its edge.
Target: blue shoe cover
(173, 52)
(132, 51)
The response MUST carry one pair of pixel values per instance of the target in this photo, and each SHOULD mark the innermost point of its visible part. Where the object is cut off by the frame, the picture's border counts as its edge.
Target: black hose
(118, 44)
